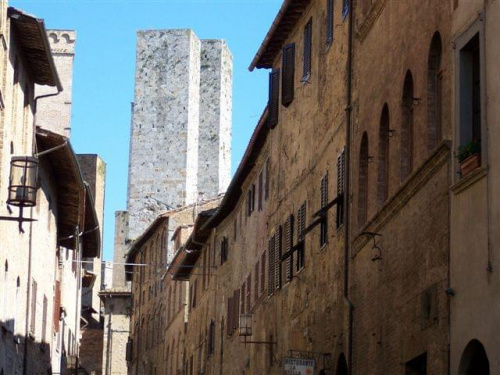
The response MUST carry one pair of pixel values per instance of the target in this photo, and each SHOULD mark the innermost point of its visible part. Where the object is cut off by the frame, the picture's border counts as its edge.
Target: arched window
(407, 127)
(363, 181)
(434, 92)
(383, 157)
(474, 360)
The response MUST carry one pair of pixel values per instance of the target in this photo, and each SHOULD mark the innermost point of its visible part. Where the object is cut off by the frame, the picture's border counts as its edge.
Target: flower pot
(470, 164)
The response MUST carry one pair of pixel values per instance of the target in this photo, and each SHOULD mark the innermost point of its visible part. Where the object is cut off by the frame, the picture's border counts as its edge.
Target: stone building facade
(352, 236)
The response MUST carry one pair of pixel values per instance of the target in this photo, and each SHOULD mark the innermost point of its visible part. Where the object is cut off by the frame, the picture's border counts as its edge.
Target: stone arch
(383, 157)
(363, 181)
(407, 127)
(474, 360)
(341, 365)
(434, 92)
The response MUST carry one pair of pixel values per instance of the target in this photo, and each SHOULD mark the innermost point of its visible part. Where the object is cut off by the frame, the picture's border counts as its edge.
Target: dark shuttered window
(301, 227)
(288, 248)
(288, 74)
(277, 256)
(340, 187)
(324, 201)
(329, 21)
(307, 51)
(270, 270)
(273, 104)
(261, 190)
(267, 182)
(262, 272)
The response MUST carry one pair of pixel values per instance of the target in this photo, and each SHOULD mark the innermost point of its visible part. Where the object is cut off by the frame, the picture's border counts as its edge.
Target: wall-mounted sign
(298, 366)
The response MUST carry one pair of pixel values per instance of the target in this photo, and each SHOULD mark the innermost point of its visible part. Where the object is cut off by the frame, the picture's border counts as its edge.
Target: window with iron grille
(307, 51)
(288, 74)
(270, 271)
(301, 227)
(345, 8)
(273, 103)
(277, 256)
(288, 248)
(323, 237)
(340, 188)
(329, 21)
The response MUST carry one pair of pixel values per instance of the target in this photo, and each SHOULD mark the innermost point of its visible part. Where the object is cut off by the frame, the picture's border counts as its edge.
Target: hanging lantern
(23, 181)
(246, 325)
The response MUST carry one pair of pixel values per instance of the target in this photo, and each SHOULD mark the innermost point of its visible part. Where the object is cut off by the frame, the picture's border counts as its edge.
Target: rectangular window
(307, 51)
(288, 74)
(270, 271)
(273, 103)
(266, 185)
(251, 200)
(261, 189)
(288, 248)
(301, 227)
(340, 187)
(277, 255)
(323, 237)
(262, 272)
(329, 21)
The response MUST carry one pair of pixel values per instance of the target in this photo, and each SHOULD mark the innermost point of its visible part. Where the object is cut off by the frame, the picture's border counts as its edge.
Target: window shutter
(256, 282)
(261, 189)
(340, 187)
(324, 191)
(229, 315)
(307, 51)
(273, 103)
(301, 227)
(324, 202)
(288, 74)
(270, 270)
(236, 317)
(249, 292)
(288, 248)
(266, 188)
(277, 255)
(329, 22)
(262, 272)
(243, 296)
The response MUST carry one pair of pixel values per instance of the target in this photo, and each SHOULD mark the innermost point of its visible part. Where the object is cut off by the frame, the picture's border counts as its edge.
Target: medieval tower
(181, 123)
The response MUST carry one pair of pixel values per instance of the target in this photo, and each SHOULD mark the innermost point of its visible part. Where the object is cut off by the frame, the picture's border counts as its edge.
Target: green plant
(468, 149)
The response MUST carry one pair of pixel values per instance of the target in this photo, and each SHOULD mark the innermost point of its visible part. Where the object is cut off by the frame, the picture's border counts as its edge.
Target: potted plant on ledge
(469, 157)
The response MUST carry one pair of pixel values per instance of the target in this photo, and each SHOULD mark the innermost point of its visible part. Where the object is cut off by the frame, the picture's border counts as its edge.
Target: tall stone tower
(55, 113)
(181, 123)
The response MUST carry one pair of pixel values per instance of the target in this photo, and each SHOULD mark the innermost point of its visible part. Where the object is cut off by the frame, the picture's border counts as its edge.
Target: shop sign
(298, 366)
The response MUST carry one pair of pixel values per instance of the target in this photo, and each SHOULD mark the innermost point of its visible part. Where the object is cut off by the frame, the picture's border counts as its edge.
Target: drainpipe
(348, 189)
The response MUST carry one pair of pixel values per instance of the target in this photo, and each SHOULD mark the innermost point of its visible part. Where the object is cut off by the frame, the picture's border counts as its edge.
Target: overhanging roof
(32, 37)
(184, 260)
(69, 184)
(286, 20)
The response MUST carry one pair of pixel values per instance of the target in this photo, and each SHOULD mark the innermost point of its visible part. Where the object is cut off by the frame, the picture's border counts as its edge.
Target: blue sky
(103, 81)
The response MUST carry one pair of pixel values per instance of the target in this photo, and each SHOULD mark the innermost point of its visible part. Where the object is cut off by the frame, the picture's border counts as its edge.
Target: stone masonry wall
(55, 114)
(214, 156)
(164, 136)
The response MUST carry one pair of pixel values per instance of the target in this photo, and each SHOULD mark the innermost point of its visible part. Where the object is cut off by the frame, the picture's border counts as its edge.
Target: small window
(329, 21)
(288, 74)
(273, 103)
(323, 237)
(307, 51)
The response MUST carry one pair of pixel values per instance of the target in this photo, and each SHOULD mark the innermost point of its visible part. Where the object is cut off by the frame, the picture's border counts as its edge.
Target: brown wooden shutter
(324, 191)
(301, 227)
(236, 318)
(340, 187)
(262, 272)
(266, 188)
(288, 74)
(256, 282)
(57, 305)
(261, 190)
(270, 270)
(229, 315)
(329, 22)
(249, 292)
(288, 248)
(307, 51)
(277, 256)
(273, 104)
(324, 202)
